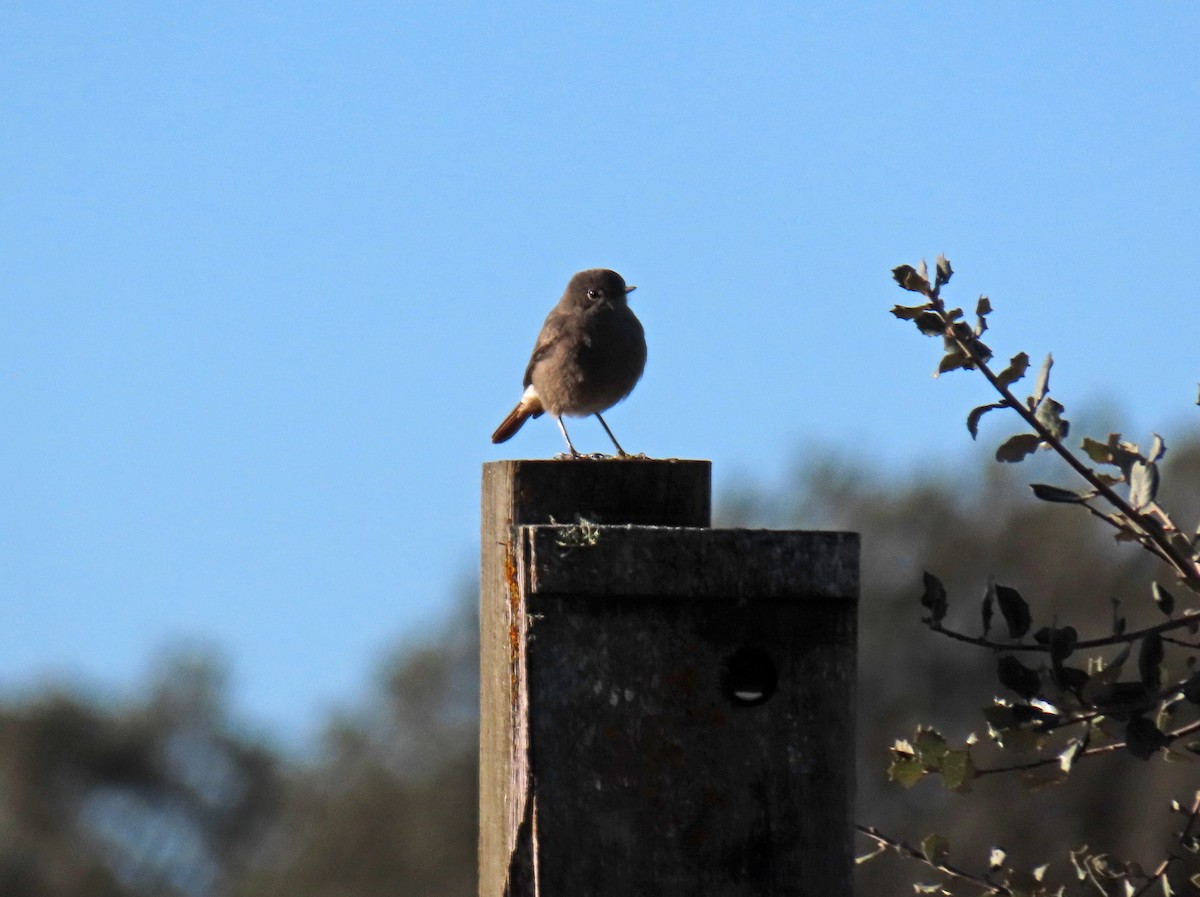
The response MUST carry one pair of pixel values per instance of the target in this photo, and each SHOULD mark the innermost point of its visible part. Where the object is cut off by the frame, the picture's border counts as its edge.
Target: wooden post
(666, 708)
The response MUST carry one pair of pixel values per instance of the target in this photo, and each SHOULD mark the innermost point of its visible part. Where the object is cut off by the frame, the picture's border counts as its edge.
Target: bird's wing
(547, 340)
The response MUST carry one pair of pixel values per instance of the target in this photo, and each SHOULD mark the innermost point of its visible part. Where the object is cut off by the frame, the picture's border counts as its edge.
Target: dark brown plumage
(589, 355)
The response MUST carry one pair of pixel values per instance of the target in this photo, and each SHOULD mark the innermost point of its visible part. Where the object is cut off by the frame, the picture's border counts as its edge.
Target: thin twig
(1186, 568)
(1189, 619)
(913, 853)
(1165, 865)
(1181, 642)
(1115, 746)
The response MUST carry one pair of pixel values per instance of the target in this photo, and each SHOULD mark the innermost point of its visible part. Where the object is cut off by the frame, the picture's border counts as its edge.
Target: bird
(589, 355)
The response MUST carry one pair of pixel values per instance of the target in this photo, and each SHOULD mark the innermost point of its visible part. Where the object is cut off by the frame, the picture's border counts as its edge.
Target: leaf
(935, 848)
(976, 414)
(983, 308)
(1097, 451)
(1072, 679)
(1055, 494)
(1060, 640)
(1014, 610)
(957, 771)
(1017, 366)
(1043, 380)
(1017, 677)
(1158, 448)
(934, 597)
(907, 277)
(1013, 716)
(944, 271)
(1181, 543)
(1017, 447)
(1143, 484)
(930, 747)
(953, 360)
(1150, 658)
(930, 323)
(905, 770)
(908, 312)
(1048, 415)
(1067, 757)
(1191, 688)
(1164, 599)
(1143, 738)
(1120, 698)
(959, 330)
(1124, 454)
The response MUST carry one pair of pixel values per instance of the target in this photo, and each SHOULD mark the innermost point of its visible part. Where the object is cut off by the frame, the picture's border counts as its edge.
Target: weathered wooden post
(667, 709)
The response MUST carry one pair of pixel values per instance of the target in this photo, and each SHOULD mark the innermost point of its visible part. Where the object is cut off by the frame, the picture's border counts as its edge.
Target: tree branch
(1187, 568)
(1115, 746)
(905, 849)
(1190, 619)
(1185, 835)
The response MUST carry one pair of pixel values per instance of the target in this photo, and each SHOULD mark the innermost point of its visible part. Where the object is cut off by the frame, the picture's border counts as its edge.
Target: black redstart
(589, 356)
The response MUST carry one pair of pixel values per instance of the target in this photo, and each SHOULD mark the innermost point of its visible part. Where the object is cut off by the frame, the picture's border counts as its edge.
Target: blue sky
(271, 274)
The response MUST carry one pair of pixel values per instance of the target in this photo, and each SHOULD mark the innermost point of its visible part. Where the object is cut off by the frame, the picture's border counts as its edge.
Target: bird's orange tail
(528, 407)
(509, 426)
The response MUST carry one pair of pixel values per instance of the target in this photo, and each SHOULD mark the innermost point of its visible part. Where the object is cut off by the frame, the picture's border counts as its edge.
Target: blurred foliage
(972, 524)
(1110, 671)
(158, 797)
(168, 796)
(165, 794)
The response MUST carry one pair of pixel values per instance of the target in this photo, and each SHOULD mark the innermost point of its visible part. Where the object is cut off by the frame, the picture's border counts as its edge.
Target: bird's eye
(593, 294)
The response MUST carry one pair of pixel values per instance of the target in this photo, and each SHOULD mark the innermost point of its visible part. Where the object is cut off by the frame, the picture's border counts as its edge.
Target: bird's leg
(620, 451)
(574, 454)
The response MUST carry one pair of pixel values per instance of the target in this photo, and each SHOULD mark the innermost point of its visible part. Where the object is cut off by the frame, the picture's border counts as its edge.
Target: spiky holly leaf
(944, 271)
(952, 361)
(983, 308)
(908, 277)
(1097, 451)
(957, 771)
(1048, 414)
(905, 770)
(930, 323)
(1017, 365)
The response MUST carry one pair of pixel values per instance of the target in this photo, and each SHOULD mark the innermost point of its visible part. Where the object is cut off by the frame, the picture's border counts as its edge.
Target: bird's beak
(630, 289)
